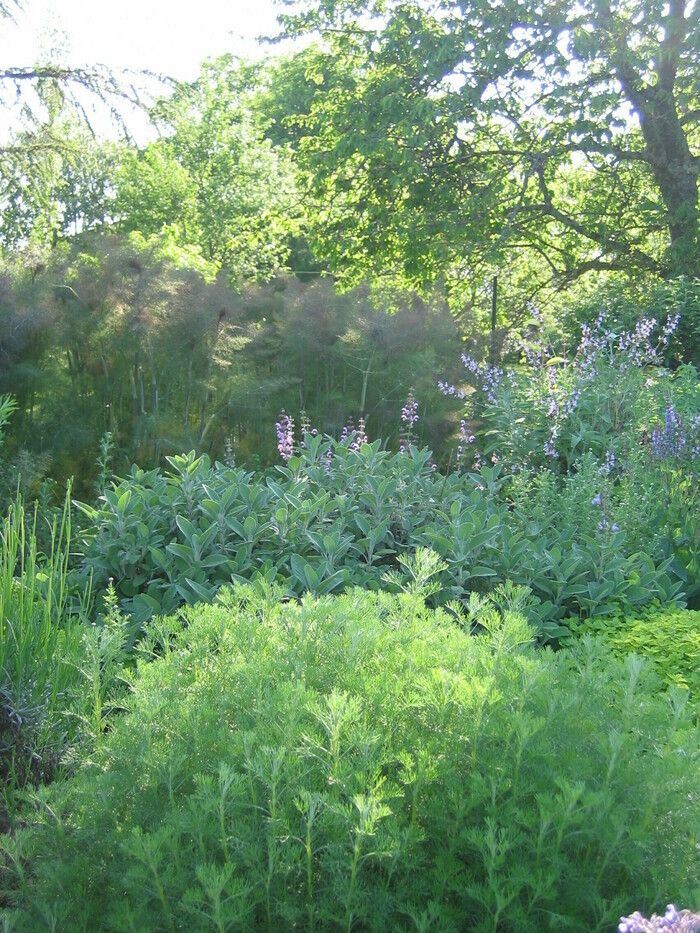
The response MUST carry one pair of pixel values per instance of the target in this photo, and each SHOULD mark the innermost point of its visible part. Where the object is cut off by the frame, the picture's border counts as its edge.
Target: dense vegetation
(350, 480)
(324, 785)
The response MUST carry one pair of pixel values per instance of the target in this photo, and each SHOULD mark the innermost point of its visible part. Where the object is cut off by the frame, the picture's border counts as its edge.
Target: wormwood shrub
(334, 517)
(360, 762)
(669, 637)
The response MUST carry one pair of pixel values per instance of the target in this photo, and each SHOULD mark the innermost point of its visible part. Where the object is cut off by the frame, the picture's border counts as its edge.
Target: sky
(166, 36)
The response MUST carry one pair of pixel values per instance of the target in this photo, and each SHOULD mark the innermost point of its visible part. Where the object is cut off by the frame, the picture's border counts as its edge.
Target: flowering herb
(673, 921)
(354, 437)
(673, 439)
(466, 439)
(409, 419)
(284, 427)
(609, 463)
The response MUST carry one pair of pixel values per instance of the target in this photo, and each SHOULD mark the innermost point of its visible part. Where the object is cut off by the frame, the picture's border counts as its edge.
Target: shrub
(610, 398)
(335, 517)
(669, 637)
(361, 762)
(611, 409)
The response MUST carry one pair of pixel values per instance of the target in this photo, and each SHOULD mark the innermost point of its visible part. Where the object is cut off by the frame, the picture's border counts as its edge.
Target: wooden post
(494, 302)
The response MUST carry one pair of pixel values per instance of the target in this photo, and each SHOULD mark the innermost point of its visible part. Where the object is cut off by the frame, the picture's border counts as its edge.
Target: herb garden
(350, 480)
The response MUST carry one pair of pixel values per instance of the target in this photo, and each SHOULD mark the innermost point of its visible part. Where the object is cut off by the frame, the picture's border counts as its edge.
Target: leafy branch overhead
(454, 134)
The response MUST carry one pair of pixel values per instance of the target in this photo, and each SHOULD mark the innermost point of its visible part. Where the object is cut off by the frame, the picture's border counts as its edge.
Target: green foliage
(38, 644)
(359, 762)
(7, 406)
(610, 406)
(626, 301)
(607, 429)
(669, 637)
(137, 338)
(212, 180)
(60, 677)
(457, 138)
(323, 524)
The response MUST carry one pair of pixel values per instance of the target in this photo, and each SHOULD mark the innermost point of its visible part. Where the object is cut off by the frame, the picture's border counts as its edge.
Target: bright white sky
(167, 36)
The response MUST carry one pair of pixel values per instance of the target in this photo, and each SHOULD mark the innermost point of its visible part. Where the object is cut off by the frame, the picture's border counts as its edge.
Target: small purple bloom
(285, 436)
(409, 417)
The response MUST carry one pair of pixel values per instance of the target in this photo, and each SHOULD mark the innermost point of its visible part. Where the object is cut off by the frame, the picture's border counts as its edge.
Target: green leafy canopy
(442, 137)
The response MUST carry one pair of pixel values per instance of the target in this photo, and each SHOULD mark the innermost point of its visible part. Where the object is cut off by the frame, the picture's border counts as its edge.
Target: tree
(79, 88)
(213, 179)
(54, 178)
(54, 175)
(445, 137)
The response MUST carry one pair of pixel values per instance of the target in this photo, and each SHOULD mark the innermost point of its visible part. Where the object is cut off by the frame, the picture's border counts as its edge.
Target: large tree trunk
(668, 154)
(675, 171)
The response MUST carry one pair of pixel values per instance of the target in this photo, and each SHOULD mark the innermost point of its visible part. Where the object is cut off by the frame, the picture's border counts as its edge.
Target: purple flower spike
(285, 436)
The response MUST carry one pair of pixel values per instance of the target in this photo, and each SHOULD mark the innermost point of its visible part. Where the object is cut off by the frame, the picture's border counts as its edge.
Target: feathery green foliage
(360, 762)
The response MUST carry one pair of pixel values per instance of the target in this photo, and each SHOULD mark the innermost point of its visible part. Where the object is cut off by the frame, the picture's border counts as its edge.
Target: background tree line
(180, 293)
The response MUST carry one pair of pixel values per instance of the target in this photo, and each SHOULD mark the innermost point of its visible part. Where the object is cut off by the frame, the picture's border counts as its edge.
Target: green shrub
(321, 525)
(669, 637)
(361, 762)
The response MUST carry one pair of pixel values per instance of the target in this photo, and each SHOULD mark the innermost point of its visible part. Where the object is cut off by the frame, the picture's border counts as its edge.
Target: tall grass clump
(40, 639)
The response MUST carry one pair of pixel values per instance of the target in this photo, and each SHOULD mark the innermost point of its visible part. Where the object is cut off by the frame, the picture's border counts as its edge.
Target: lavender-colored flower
(658, 448)
(673, 437)
(450, 390)
(409, 412)
(597, 500)
(608, 464)
(571, 403)
(359, 435)
(348, 431)
(550, 450)
(673, 921)
(229, 453)
(327, 460)
(284, 427)
(409, 417)
(487, 377)
(671, 325)
(465, 439)
(470, 364)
